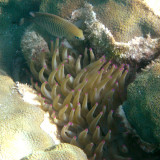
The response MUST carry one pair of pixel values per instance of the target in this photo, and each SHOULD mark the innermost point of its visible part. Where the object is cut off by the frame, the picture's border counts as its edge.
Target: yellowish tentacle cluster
(79, 96)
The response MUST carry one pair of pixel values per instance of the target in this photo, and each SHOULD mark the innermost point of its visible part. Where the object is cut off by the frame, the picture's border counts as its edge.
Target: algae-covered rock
(142, 107)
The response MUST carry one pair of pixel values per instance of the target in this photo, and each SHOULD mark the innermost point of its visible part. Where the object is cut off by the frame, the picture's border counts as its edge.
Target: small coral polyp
(80, 95)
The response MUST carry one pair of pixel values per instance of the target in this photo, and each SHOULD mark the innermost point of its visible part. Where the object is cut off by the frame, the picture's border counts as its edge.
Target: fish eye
(76, 37)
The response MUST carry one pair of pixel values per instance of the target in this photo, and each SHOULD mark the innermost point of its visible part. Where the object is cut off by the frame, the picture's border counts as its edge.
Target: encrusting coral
(80, 97)
(142, 107)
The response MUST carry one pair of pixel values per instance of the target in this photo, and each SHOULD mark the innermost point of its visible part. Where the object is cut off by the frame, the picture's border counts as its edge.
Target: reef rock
(32, 44)
(125, 29)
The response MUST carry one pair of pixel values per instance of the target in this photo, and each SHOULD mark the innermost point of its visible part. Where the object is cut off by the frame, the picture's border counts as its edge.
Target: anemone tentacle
(82, 90)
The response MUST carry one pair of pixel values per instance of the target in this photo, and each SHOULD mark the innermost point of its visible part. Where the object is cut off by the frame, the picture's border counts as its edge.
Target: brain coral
(142, 107)
(80, 97)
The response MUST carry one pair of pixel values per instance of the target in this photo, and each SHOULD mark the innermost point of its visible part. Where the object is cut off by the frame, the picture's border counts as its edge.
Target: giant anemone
(81, 94)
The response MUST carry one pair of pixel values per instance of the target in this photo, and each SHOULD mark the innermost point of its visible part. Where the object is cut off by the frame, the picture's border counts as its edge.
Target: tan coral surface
(19, 124)
(59, 152)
